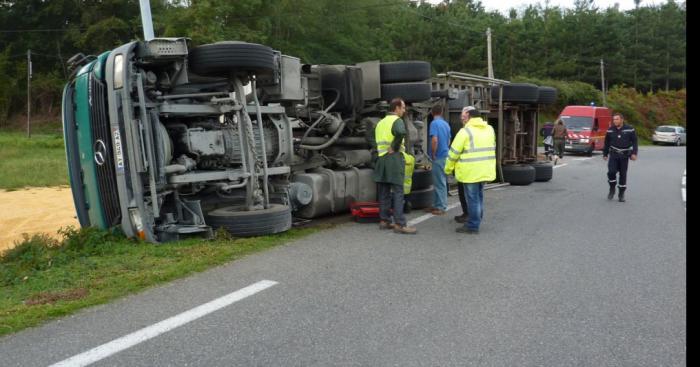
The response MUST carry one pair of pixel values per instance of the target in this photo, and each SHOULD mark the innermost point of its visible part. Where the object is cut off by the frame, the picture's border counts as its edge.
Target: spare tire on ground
(543, 171)
(404, 71)
(519, 174)
(517, 92)
(421, 198)
(239, 222)
(422, 179)
(224, 58)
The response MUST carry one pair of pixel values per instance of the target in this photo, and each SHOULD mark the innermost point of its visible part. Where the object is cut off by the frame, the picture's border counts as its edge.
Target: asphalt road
(558, 276)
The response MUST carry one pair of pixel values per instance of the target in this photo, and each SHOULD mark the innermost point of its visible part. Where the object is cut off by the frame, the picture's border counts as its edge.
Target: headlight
(118, 71)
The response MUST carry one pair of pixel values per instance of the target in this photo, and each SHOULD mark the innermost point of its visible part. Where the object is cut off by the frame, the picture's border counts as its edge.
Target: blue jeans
(440, 183)
(391, 195)
(475, 203)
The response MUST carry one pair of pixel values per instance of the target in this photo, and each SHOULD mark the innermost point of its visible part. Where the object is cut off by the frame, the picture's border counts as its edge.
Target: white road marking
(683, 188)
(582, 159)
(560, 165)
(425, 217)
(128, 341)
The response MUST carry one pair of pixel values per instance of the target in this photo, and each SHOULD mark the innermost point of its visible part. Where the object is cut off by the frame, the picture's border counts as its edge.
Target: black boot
(611, 193)
(621, 195)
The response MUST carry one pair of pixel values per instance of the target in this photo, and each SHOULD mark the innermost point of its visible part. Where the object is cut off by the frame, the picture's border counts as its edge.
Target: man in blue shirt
(439, 145)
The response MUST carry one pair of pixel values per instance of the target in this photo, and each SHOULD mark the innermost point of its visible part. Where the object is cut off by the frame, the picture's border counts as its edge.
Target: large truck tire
(410, 92)
(519, 174)
(223, 58)
(547, 95)
(241, 223)
(517, 93)
(422, 179)
(543, 171)
(404, 71)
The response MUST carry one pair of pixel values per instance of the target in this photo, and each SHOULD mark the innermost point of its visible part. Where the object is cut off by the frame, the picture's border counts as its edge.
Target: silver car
(669, 134)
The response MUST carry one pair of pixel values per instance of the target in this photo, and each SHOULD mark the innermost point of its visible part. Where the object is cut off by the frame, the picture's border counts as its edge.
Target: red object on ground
(365, 211)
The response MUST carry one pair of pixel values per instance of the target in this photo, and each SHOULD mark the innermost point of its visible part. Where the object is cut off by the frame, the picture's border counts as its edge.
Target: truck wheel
(543, 171)
(421, 198)
(519, 174)
(410, 92)
(547, 95)
(223, 58)
(277, 218)
(422, 179)
(517, 92)
(404, 71)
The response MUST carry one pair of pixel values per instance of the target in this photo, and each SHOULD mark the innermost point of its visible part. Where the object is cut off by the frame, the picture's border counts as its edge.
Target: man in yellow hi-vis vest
(472, 157)
(389, 170)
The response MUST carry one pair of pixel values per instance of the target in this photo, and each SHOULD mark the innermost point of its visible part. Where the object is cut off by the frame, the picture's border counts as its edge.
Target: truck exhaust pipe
(146, 20)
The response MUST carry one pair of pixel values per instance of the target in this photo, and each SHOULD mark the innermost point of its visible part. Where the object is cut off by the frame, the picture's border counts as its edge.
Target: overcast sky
(504, 5)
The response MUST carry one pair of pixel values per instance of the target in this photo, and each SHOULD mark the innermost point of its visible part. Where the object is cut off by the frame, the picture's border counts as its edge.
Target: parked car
(669, 134)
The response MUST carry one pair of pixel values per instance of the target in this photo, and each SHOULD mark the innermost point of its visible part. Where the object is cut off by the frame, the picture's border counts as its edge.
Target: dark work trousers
(559, 147)
(618, 163)
(462, 199)
(391, 195)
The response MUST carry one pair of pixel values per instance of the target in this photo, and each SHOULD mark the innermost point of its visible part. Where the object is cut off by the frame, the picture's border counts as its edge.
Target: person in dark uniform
(621, 143)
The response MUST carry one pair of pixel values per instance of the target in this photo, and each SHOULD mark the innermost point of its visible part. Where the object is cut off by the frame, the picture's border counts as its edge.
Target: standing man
(440, 145)
(622, 140)
(559, 134)
(472, 157)
(390, 167)
(546, 133)
(462, 218)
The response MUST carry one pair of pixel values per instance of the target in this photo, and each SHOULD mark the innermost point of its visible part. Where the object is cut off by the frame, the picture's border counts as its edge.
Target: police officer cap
(470, 109)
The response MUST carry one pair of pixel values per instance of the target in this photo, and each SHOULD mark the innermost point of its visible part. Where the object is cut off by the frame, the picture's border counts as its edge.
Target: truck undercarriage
(177, 142)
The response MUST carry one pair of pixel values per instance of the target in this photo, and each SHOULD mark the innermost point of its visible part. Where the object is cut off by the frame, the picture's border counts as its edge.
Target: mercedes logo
(100, 152)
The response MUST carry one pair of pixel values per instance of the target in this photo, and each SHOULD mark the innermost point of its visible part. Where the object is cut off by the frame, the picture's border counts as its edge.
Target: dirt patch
(53, 297)
(34, 210)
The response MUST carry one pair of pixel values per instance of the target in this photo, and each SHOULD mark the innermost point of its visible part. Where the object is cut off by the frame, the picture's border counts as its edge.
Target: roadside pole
(602, 81)
(29, 91)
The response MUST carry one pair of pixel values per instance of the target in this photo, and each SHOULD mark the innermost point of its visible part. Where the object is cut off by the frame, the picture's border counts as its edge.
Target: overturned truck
(166, 142)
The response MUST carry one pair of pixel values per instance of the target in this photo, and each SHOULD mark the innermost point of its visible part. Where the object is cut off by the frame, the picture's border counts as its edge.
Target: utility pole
(488, 51)
(602, 80)
(29, 91)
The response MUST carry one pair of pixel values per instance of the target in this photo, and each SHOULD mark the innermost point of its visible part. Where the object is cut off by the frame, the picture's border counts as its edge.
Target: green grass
(36, 161)
(42, 278)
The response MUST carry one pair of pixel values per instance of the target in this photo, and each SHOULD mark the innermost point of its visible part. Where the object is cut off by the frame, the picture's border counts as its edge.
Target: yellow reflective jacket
(472, 155)
(383, 135)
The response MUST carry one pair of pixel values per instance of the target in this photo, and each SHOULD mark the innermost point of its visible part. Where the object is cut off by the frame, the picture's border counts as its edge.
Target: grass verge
(43, 278)
(36, 161)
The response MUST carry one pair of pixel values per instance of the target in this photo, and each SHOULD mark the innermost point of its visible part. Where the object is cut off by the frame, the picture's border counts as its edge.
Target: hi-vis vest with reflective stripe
(383, 135)
(473, 153)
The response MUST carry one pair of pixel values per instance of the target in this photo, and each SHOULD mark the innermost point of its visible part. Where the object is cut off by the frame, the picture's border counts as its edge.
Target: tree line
(642, 48)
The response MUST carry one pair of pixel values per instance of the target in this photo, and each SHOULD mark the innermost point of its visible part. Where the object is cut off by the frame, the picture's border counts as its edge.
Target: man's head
(436, 110)
(618, 119)
(397, 106)
(469, 112)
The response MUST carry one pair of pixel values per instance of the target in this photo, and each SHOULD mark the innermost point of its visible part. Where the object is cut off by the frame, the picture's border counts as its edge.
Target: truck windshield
(577, 122)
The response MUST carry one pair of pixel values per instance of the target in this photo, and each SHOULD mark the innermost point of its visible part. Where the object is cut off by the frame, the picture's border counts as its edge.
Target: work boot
(611, 193)
(386, 225)
(461, 218)
(405, 229)
(621, 195)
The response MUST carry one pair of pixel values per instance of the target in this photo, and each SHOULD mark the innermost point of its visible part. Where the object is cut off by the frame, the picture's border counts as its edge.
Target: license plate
(568, 147)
